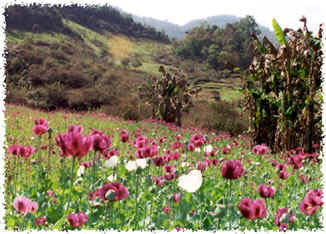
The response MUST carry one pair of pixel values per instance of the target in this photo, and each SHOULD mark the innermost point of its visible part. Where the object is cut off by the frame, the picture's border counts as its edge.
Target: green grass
(230, 95)
(89, 36)
(19, 37)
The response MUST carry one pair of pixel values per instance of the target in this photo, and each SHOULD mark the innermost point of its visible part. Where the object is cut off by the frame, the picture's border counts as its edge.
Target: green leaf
(279, 32)
(11, 221)
(58, 224)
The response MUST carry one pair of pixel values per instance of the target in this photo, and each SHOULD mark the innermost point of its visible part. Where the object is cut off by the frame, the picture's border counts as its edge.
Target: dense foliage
(219, 46)
(40, 18)
(283, 89)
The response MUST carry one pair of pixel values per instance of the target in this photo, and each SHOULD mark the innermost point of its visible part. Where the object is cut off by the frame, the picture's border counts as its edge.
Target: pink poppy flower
(77, 219)
(232, 169)
(87, 164)
(159, 161)
(225, 150)
(260, 149)
(283, 174)
(197, 139)
(40, 221)
(40, 127)
(33, 207)
(169, 168)
(158, 180)
(120, 192)
(167, 209)
(14, 149)
(311, 202)
(260, 209)
(304, 179)
(75, 129)
(41, 121)
(26, 151)
(22, 204)
(100, 141)
(246, 208)
(169, 176)
(191, 147)
(252, 209)
(296, 160)
(74, 143)
(124, 135)
(266, 191)
(202, 165)
(284, 227)
(176, 197)
(25, 205)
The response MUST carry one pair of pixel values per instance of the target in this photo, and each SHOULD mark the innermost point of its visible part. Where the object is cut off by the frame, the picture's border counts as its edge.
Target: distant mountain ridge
(179, 32)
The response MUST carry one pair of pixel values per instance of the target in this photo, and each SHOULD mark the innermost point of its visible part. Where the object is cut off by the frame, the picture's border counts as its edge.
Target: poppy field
(89, 171)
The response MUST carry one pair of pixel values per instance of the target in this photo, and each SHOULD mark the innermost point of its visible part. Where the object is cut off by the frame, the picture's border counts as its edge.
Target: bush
(88, 98)
(217, 116)
(227, 118)
(129, 108)
(49, 97)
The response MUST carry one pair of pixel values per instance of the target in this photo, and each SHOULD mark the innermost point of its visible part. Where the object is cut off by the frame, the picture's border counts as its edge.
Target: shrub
(49, 97)
(217, 116)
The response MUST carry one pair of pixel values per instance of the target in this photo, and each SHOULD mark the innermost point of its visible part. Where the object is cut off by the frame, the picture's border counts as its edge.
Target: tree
(169, 96)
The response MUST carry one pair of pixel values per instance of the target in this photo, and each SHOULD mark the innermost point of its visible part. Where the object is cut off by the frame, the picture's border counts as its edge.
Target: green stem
(72, 176)
(39, 152)
(94, 171)
(16, 172)
(136, 202)
(230, 202)
(49, 149)
(146, 182)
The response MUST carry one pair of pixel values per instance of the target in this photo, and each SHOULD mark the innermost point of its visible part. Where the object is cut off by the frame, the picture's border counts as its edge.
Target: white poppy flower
(208, 148)
(197, 150)
(191, 182)
(131, 166)
(111, 178)
(80, 171)
(142, 163)
(112, 162)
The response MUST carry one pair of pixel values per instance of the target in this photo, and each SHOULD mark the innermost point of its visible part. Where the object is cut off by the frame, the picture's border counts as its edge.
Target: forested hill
(46, 18)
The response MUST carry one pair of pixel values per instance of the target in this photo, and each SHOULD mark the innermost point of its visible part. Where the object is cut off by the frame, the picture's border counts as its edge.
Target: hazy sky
(286, 12)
